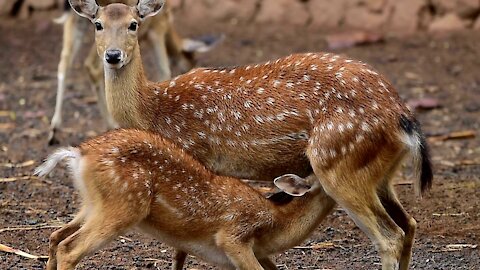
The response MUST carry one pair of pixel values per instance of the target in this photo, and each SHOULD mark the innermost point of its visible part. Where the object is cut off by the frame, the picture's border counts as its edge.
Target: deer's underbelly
(263, 163)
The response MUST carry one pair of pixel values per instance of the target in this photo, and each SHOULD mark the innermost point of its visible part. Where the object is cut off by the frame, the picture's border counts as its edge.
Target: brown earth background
(435, 69)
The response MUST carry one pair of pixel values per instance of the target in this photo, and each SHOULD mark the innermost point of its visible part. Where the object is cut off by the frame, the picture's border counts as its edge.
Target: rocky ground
(443, 68)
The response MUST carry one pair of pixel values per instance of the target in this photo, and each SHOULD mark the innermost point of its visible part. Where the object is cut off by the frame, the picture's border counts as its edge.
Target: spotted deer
(306, 113)
(133, 178)
(168, 45)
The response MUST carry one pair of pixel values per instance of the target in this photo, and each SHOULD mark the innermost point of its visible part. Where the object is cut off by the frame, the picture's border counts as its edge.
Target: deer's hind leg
(352, 176)
(59, 235)
(408, 224)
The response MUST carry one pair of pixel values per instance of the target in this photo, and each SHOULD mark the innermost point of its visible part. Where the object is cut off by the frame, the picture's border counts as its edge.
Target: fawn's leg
(240, 253)
(179, 259)
(99, 229)
(408, 224)
(267, 264)
(59, 235)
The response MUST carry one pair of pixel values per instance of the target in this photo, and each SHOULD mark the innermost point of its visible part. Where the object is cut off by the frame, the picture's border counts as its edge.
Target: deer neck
(302, 216)
(123, 91)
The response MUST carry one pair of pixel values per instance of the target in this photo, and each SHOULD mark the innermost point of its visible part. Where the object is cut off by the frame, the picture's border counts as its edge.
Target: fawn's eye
(133, 26)
(98, 26)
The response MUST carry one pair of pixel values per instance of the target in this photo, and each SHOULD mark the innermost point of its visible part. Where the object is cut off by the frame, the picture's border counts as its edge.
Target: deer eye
(133, 26)
(98, 26)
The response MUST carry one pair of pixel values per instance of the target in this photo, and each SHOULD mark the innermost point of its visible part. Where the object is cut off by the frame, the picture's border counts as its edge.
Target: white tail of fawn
(132, 178)
(314, 113)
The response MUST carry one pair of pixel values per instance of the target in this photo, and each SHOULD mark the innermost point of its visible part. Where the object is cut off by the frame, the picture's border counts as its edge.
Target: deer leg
(408, 224)
(70, 46)
(98, 230)
(157, 37)
(59, 235)
(356, 192)
(240, 253)
(179, 259)
(370, 216)
(267, 264)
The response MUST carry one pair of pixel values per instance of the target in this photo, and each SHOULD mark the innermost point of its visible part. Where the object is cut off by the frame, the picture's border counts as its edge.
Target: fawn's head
(116, 27)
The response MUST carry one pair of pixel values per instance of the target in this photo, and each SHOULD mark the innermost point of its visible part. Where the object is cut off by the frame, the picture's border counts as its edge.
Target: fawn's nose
(113, 56)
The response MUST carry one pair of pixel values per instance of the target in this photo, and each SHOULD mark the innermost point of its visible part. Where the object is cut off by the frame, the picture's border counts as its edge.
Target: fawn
(306, 113)
(133, 178)
(168, 46)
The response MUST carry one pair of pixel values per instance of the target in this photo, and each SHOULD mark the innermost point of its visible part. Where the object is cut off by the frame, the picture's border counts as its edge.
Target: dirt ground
(445, 67)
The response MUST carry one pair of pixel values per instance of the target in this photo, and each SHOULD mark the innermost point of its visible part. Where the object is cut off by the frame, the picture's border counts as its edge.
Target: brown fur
(315, 112)
(133, 178)
(159, 30)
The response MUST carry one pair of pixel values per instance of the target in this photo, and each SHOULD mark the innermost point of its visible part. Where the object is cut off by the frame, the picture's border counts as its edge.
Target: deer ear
(292, 184)
(85, 8)
(147, 8)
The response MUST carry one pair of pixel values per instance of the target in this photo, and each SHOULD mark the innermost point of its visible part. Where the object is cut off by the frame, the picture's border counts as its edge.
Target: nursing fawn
(132, 178)
(306, 113)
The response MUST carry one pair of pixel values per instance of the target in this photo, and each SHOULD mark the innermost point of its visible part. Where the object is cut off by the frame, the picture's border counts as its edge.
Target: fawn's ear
(147, 8)
(292, 184)
(85, 8)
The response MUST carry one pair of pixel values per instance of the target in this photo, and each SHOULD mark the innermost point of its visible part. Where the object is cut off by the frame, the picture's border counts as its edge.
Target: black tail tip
(426, 175)
(412, 126)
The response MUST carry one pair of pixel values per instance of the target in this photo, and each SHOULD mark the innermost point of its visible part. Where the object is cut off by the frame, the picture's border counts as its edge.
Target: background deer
(168, 45)
(306, 113)
(131, 178)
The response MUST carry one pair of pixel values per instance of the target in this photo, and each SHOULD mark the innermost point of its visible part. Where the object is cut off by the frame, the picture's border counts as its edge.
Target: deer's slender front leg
(179, 259)
(71, 44)
(267, 264)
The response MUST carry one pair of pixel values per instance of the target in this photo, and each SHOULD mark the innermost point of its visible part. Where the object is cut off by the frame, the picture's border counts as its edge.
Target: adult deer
(305, 113)
(132, 178)
(168, 45)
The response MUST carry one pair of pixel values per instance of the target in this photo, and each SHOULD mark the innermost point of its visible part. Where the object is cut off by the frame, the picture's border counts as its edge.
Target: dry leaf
(458, 247)
(13, 179)
(19, 165)
(8, 249)
(456, 135)
(423, 104)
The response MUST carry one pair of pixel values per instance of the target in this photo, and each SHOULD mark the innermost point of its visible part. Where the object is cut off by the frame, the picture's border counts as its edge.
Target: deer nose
(113, 56)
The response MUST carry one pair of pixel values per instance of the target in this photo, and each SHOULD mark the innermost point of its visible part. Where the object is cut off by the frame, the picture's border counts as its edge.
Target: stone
(283, 11)
(476, 25)
(6, 6)
(327, 14)
(374, 5)
(448, 22)
(361, 17)
(405, 15)
(239, 9)
(463, 8)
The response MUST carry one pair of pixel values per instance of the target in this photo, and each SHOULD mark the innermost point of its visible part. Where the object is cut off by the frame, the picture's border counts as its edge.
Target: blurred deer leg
(70, 46)
(179, 260)
(267, 264)
(59, 235)
(157, 37)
